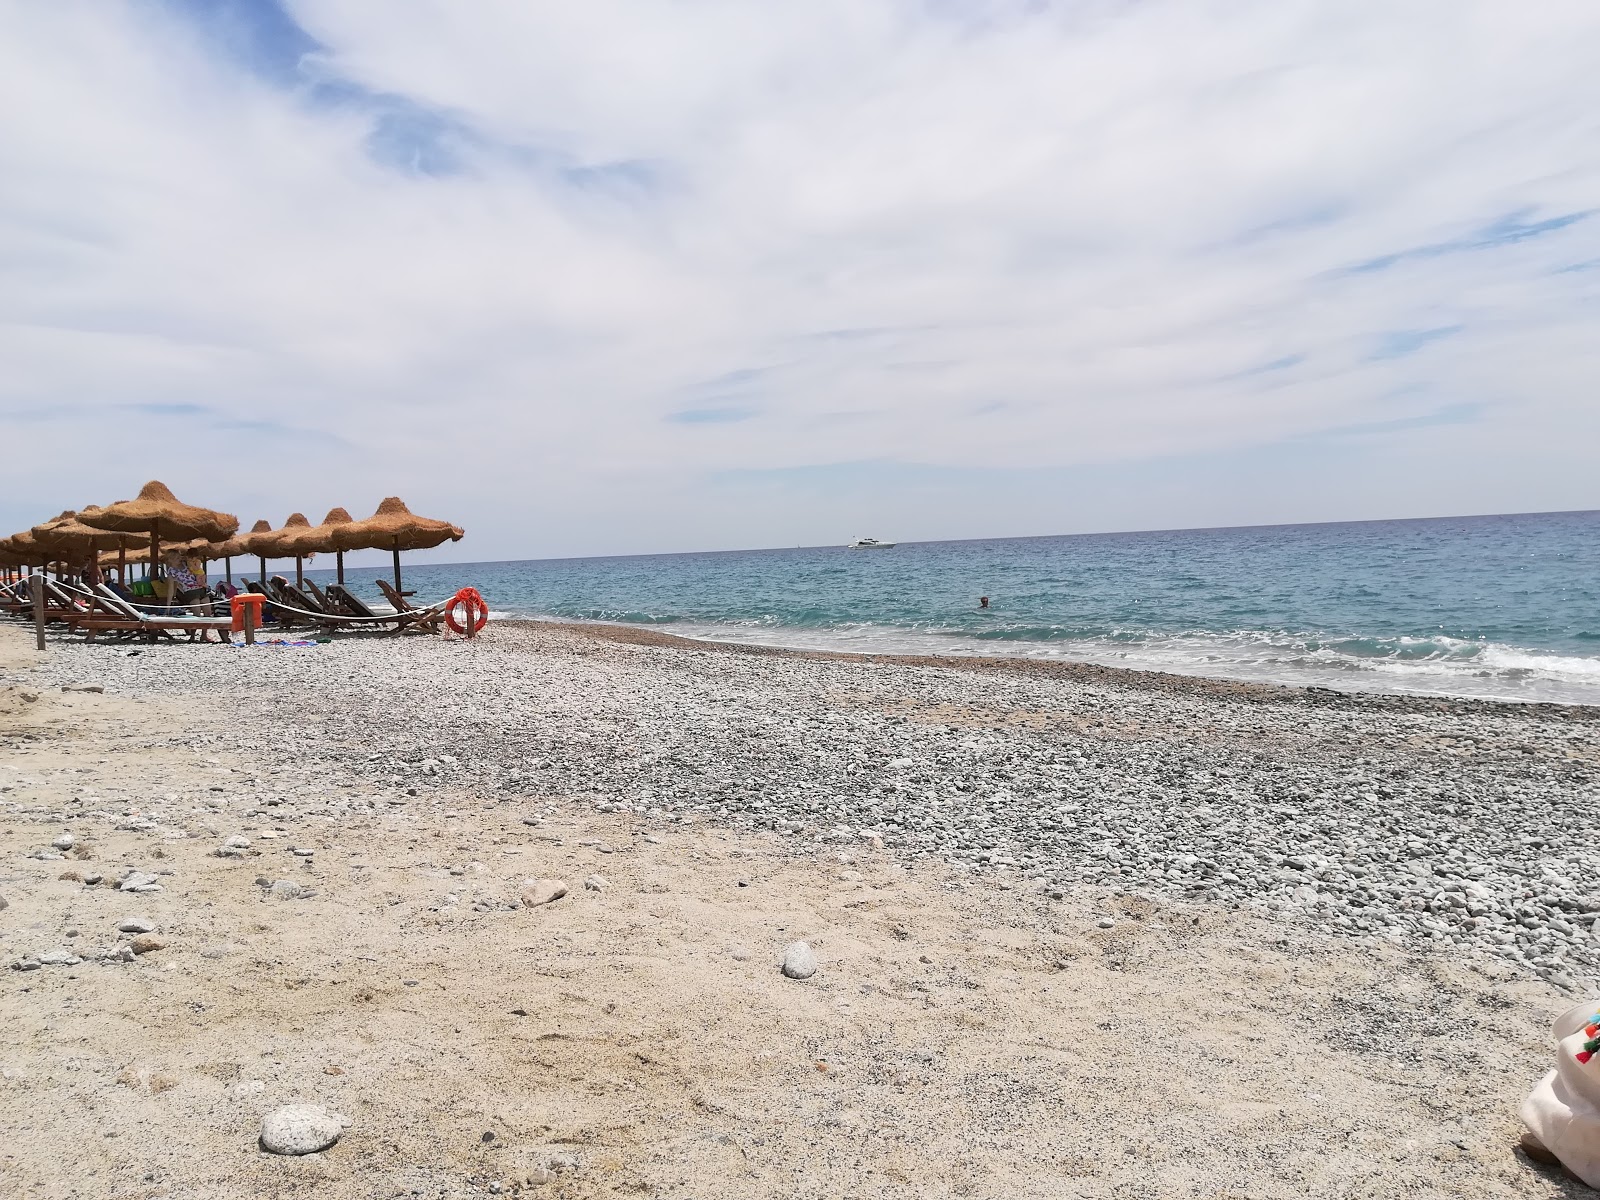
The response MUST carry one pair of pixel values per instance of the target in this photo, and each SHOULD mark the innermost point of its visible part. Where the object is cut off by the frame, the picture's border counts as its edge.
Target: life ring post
(475, 612)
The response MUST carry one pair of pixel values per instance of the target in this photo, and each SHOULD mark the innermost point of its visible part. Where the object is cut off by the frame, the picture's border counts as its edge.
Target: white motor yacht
(870, 544)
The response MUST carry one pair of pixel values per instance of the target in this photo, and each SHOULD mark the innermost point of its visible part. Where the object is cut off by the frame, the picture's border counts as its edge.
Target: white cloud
(976, 236)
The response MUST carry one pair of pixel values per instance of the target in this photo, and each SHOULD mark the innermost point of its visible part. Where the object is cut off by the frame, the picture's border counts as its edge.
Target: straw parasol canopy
(159, 513)
(197, 548)
(26, 547)
(256, 542)
(24, 550)
(283, 543)
(395, 527)
(237, 547)
(318, 539)
(68, 536)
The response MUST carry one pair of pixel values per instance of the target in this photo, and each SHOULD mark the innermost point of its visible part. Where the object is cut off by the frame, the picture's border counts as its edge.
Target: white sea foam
(1426, 666)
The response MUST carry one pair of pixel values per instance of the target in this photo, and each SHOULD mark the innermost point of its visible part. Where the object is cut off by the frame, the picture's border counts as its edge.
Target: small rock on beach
(300, 1129)
(542, 891)
(798, 961)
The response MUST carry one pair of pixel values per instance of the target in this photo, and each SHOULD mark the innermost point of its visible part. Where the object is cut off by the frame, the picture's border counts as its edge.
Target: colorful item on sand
(1592, 1032)
(1562, 1112)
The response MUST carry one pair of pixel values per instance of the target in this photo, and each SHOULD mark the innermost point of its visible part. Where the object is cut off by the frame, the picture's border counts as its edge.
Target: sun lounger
(60, 605)
(118, 616)
(403, 605)
(323, 604)
(344, 608)
(297, 608)
(354, 605)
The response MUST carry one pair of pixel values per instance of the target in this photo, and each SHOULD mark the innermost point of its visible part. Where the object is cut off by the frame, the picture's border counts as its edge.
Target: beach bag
(1563, 1110)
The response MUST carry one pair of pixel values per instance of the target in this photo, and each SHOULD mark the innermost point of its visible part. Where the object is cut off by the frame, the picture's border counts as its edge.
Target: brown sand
(960, 1039)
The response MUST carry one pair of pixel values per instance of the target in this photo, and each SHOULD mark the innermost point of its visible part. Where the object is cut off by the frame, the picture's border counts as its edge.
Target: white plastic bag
(1563, 1110)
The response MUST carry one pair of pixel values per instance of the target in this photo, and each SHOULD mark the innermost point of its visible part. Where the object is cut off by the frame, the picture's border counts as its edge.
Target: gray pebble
(136, 925)
(300, 1129)
(798, 961)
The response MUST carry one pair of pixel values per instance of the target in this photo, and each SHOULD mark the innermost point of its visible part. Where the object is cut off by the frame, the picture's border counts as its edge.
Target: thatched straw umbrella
(251, 544)
(9, 562)
(23, 553)
(237, 547)
(192, 549)
(26, 546)
(159, 513)
(395, 527)
(74, 541)
(318, 539)
(282, 543)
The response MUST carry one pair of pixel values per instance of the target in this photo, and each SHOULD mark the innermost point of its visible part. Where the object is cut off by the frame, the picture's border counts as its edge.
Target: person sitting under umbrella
(184, 587)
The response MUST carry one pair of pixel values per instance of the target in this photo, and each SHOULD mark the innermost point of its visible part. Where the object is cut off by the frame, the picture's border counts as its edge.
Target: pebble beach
(1072, 931)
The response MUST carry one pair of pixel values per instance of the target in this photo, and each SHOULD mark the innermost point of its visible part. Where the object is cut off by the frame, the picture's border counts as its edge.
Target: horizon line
(1025, 537)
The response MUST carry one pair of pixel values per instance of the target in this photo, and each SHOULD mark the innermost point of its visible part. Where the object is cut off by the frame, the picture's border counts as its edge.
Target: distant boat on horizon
(870, 544)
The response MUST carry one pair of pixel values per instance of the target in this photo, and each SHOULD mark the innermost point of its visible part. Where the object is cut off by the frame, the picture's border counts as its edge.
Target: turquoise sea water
(1505, 606)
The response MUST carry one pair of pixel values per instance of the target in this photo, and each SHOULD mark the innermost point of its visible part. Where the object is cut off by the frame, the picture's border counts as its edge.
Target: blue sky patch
(1267, 368)
(157, 409)
(1450, 414)
(259, 35)
(1397, 343)
(710, 416)
(1508, 230)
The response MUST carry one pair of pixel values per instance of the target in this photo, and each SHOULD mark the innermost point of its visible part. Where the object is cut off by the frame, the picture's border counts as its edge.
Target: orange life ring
(476, 614)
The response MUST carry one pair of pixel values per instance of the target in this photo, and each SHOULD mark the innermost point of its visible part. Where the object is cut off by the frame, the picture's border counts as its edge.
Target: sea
(1502, 607)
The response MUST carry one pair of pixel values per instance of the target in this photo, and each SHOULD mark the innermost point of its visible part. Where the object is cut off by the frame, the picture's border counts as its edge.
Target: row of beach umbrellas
(161, 517)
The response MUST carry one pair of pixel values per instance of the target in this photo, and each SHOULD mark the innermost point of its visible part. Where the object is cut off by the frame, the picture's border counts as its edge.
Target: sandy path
(961, 1038)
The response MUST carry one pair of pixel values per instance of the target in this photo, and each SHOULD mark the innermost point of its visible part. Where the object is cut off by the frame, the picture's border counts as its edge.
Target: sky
(628, 276)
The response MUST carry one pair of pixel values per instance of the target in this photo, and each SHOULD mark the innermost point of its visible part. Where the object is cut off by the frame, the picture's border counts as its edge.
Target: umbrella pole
(338, 557)
(155, 555)
(397, 565)
(36, 594)
(263, 579)
(227, 565)
(122, 561)
(299, 572)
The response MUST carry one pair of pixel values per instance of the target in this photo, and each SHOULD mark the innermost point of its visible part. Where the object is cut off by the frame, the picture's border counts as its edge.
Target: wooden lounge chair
(326, 617)
(353, 604)
(404, 605)
(60, 605)
(402, 618)
(322, 602)
(296, 607)
(121, 617)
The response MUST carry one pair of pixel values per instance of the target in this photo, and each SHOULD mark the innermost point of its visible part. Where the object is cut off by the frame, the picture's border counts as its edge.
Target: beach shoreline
(1031, 983)
(1141, 678)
